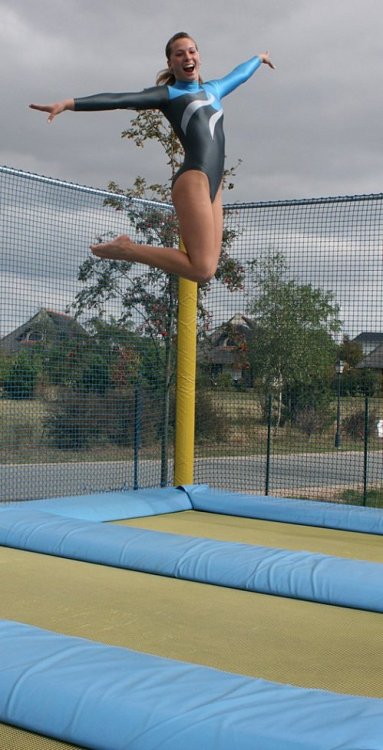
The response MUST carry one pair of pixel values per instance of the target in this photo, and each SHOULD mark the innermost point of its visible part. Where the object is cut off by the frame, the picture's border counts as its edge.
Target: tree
(350, 352)
(152, 296)
(292, 343)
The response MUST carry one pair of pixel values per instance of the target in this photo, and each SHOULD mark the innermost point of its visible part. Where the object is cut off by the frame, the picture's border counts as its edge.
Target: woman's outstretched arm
(241, 73)
(151, 98)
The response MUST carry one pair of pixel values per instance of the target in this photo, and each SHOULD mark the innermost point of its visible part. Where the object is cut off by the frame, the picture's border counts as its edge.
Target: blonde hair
(165, 77)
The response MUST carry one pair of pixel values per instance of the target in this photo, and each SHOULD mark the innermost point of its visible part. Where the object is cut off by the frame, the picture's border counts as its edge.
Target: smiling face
(184, 61)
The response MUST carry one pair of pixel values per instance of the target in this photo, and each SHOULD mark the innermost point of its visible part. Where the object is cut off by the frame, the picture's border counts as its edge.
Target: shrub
(310, 420)
(20, 383)
(362, 382)
(96, 378)
(72, 422)
(305, 399)
(354, 425)
(79, 419)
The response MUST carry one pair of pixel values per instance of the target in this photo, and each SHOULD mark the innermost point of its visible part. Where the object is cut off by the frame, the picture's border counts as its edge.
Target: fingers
(40, 107)
(52, 110)
(266, 59)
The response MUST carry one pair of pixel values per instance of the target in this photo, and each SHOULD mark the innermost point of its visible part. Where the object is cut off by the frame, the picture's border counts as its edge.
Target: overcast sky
(311, 128)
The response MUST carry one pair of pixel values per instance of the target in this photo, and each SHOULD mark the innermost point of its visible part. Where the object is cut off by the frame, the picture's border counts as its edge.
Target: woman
(194, 111)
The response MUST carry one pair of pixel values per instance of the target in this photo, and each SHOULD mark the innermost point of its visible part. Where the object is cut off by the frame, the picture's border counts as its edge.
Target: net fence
(295, 353)
(86, 362)
(290, 347)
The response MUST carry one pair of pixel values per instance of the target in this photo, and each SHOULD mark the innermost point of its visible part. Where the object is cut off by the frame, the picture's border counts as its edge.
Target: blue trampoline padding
(301, 575)
(288, 510)
(111, 698)
(113, 506)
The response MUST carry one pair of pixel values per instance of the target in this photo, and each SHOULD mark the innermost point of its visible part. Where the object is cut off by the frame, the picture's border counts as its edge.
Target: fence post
(365, 456)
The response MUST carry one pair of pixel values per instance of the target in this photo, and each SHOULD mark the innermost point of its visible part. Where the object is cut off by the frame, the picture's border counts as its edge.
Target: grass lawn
(23, 437)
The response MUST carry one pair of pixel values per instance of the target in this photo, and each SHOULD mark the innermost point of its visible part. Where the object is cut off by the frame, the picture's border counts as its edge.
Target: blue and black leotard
(194, 111)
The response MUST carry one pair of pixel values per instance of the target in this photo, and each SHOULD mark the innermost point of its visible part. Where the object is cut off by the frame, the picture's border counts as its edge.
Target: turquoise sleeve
(239, 75)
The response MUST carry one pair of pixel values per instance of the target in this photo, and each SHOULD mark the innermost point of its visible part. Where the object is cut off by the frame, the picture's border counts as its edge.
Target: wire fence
(290, 348)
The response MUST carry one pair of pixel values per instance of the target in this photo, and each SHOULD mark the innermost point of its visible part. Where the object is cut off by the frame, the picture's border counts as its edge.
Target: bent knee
(204, 265)
(204, 272)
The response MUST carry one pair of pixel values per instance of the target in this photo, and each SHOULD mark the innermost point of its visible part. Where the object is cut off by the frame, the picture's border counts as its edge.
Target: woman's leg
(200, 228)
(200, 222)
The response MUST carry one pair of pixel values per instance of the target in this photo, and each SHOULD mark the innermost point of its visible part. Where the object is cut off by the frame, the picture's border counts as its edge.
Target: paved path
(239, 473)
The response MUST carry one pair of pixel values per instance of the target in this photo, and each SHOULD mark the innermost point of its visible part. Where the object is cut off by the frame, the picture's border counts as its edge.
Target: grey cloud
(312, 127)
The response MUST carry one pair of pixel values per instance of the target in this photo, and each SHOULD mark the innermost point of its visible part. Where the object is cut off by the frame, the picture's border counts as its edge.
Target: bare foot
(122, 248)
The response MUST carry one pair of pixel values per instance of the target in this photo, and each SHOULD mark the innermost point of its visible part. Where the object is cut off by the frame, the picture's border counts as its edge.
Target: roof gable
(47, 325)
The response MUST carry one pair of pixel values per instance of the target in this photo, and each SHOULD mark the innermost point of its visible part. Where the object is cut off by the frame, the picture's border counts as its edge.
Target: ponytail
(165, 78)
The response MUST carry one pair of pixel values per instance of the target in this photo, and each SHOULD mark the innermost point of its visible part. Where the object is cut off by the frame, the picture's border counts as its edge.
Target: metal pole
(268, 449)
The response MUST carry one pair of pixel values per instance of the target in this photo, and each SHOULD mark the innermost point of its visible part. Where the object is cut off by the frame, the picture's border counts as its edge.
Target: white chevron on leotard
(192, 108)
(213, 120)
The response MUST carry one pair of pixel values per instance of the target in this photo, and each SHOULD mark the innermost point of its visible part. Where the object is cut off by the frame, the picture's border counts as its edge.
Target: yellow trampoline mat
(357, 546)
(18, 739)
(280, 639)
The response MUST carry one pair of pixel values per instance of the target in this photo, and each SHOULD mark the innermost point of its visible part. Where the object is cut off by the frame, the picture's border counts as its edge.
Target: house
(225, 350)
(373, 360)
(46, 327)
(368, 341)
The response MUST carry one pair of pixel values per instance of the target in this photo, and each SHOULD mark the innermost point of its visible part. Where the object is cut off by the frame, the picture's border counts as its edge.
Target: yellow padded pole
(186, 381)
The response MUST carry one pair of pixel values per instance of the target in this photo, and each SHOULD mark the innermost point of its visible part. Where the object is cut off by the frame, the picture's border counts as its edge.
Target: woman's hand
(54, 109)
(265, 57)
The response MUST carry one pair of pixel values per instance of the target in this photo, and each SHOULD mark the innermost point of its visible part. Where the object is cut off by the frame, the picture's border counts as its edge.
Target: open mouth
(189, 67)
